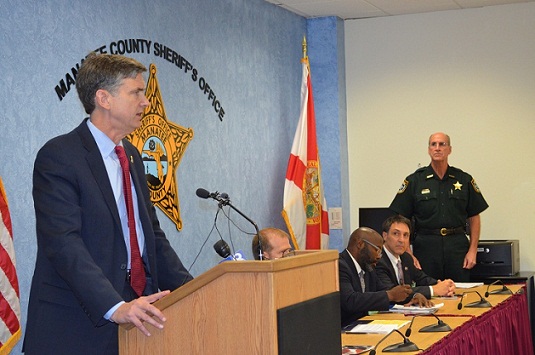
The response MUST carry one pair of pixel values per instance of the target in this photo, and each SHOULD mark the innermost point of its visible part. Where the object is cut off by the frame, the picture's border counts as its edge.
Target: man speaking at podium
(102, 257)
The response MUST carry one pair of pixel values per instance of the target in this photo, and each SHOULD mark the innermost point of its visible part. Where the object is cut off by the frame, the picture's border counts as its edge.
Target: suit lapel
(97, 167)
(355, 280)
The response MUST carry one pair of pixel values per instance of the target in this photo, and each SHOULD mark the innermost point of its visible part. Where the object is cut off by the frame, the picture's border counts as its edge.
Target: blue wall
(248, 51)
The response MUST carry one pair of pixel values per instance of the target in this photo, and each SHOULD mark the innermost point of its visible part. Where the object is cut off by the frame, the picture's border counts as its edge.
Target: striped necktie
(400, 272)
(362, 283)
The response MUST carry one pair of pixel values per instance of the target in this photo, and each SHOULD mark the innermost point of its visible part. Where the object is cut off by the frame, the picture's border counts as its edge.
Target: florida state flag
(305, 208)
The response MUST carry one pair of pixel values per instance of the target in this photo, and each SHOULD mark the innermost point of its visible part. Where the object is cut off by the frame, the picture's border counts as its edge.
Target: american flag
(10, 330)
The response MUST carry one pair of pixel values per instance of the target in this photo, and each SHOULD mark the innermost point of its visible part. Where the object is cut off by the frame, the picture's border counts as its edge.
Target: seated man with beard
(360, 289)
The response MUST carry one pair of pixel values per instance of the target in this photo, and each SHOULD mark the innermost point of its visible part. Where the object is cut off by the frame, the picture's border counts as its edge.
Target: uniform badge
(474, 185)
(458, 185)
(425, 191)
(403, 187)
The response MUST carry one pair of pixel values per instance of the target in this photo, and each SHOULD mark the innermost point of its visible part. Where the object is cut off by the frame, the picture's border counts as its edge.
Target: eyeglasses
(439, 144)
(284, 254)
(377, 249)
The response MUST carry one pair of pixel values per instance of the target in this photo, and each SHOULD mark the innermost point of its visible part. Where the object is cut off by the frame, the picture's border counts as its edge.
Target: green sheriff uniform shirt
(436, 203)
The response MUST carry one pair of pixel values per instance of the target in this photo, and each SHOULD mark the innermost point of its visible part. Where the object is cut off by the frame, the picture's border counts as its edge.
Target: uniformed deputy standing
(441, 199)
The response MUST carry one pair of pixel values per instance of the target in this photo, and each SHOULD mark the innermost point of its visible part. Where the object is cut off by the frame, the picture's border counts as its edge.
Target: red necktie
(137, 272)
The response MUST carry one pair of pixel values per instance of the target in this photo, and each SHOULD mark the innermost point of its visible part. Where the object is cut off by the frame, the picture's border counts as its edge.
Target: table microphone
(482, 303)
(504, 290)
(405, 346)
(432, 328)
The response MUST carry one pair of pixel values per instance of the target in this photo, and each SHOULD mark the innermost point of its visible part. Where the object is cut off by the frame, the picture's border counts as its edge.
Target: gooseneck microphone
(405, 346)
(504, 290)
(432, 328)
(224, 200)
(220, 197)
(482, 303)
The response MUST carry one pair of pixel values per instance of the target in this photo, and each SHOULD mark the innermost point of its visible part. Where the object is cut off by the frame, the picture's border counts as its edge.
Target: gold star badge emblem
(458, 185)
(161, 144)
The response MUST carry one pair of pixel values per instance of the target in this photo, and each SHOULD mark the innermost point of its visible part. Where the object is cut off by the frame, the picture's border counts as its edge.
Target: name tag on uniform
(425, 191)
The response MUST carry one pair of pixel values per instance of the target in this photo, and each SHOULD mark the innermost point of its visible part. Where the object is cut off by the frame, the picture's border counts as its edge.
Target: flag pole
(304, 44)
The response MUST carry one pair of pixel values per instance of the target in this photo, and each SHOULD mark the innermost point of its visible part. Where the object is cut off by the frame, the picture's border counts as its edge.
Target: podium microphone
(222, 249)
(405, 346)
(504, 290)
(224, 200)
(432, 328)
(482, 303)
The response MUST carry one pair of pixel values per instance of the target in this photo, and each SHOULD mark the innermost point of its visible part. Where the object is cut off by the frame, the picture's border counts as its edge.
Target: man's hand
(141, 310)
(399, 293)
(470, 259)
(415, 260)
(419, 300)
(444, 288)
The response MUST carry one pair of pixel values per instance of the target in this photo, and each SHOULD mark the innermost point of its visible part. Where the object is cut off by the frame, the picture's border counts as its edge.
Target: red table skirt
(505, 329)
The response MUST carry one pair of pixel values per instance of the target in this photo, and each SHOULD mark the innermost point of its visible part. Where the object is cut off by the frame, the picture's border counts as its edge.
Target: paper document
(468, 284)
(356, 349)
(378, 326)
(415, 309)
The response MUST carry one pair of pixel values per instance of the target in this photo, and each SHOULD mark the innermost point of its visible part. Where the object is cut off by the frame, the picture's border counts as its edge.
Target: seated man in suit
(360, 289)
(275, 244)
(396, 233)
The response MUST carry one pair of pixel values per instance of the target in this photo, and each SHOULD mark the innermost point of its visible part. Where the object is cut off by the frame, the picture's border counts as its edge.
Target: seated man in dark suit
(396, 233)
(358, 296)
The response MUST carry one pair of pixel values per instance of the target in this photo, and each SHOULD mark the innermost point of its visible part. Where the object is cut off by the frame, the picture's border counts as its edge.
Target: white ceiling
(353, 9)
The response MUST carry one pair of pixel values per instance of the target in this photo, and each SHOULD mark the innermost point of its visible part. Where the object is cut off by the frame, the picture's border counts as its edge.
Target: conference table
(503, 328)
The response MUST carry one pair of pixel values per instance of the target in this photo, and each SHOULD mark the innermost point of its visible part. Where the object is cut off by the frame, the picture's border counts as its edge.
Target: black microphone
(482, 303)
(432, 328)
(224, 200)
(405, 346)
(504, 290)
(222, 248)
(203, 193)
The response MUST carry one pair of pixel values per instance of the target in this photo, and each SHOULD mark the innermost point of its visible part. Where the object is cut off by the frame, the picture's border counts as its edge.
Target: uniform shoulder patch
(474, 185)
(403, 186)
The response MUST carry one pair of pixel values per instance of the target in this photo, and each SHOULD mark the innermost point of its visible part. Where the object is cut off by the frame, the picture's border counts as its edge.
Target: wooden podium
(284, 306)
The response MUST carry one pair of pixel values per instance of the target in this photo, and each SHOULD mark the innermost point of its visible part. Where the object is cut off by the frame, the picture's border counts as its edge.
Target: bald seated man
(275, 244)
(363, 251)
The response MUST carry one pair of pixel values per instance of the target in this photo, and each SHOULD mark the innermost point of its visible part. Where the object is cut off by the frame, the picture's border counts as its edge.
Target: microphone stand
(402, 347)
(504, 290)
(439, 327)
(482, 303)
(432, 328)
(226, 202)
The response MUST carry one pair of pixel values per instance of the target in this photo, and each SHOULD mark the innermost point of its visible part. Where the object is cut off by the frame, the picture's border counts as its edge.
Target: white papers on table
(378, 326)
(415, 309)
(468, 284)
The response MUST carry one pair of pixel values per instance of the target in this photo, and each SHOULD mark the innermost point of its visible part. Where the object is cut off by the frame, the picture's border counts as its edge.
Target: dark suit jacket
(81, 265)
(411, 274)
(353, 302)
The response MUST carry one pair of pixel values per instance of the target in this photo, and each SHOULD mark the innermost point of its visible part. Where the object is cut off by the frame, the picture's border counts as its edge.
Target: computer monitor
(374, 217)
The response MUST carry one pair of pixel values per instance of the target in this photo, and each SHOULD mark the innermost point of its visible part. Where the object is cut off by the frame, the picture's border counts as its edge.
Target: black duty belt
(442, 231)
